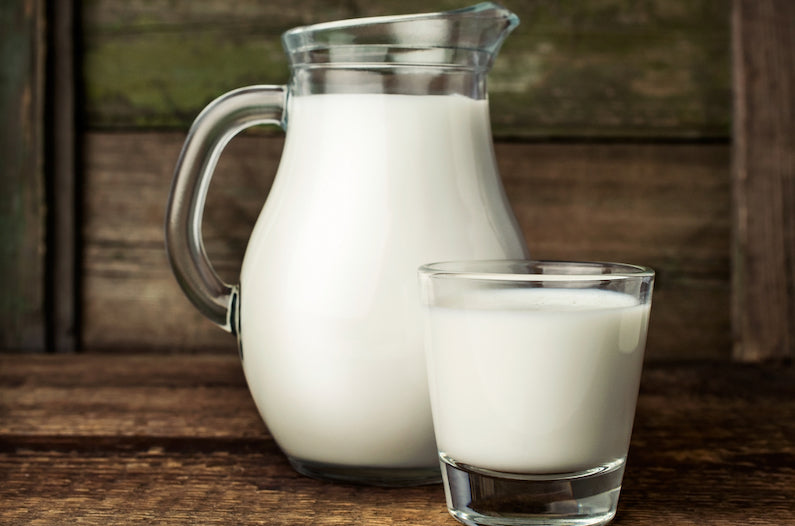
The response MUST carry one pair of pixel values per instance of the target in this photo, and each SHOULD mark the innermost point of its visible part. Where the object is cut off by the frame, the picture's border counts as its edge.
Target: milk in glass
(536, 380)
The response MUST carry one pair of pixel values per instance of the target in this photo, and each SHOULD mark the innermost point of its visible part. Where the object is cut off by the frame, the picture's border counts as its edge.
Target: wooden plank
(612, 68)
(738, 464)
(62, 200)
(22, 229)
(198, 396)
(764, 180)
(666, 206)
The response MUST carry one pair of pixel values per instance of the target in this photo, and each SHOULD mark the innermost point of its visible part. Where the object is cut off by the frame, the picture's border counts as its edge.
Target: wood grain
(711, 445)
(666, 206)
(22, 207)
(612, 68)
(764, 180)
(202, 395)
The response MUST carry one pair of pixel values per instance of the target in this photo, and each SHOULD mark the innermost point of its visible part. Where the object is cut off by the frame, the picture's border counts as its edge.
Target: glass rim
(533, 270)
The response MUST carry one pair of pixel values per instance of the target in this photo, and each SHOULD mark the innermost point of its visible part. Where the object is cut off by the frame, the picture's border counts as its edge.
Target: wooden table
(152, 439)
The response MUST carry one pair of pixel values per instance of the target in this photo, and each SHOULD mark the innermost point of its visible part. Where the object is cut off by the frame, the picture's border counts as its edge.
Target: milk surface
(536, 380)
(369, 188)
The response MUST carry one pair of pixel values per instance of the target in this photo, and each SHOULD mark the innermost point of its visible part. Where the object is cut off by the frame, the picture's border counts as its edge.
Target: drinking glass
(533, 370)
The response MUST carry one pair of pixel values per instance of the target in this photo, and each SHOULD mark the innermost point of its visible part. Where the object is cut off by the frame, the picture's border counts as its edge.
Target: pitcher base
(376, 476)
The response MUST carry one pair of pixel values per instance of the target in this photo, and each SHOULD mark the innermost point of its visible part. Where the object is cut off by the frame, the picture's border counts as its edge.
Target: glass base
(484, 497)
(377, 476)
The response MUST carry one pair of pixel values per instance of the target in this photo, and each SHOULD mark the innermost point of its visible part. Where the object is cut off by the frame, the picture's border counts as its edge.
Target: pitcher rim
(384, 19)
(489, 24)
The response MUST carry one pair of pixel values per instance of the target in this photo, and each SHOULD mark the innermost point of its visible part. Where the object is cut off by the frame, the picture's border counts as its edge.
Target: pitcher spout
(464, 38)
(483, 26)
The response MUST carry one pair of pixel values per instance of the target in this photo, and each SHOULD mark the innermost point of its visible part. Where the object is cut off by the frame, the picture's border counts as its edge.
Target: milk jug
(387, 164)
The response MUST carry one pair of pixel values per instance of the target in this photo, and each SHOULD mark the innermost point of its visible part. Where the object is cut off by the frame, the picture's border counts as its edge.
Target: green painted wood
(22, 314)
(601, 68)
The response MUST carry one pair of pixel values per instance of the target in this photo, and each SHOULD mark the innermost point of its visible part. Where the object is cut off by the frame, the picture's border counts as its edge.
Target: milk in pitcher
(331, 330)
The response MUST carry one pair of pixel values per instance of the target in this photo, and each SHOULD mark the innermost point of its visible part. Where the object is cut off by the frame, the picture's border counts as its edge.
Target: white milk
(536, 380)
(369, 188)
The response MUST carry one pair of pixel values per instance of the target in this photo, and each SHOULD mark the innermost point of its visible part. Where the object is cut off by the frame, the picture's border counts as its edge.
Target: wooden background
(657, 132)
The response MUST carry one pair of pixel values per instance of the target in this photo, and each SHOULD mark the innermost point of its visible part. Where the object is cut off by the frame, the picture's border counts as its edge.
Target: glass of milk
(533, 370)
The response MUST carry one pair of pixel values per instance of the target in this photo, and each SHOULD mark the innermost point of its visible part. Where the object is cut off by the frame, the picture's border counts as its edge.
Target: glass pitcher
(388, 164)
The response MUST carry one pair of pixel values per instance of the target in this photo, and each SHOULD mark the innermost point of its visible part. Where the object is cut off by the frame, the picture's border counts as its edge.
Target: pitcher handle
(221, 120)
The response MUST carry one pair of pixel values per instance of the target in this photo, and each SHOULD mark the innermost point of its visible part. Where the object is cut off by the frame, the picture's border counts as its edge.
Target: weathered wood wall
(764, 180)
(63, 212)
(634, 95)
(22, 184)
(612, 121)
(607, 68)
